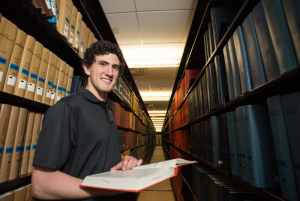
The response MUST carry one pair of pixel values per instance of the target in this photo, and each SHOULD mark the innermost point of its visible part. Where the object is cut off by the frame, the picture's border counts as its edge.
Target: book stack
(29, 69)
(19, 138)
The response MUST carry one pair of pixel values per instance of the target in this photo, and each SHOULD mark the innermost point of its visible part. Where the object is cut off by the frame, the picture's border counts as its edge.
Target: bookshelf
(194, 58)
(27, 18)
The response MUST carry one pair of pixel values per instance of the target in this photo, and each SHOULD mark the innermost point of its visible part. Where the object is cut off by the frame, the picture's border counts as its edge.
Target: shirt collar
(88, 95)
(92, 98)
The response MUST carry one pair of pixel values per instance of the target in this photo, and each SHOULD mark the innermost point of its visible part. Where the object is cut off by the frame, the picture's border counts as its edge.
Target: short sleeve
(57, 137)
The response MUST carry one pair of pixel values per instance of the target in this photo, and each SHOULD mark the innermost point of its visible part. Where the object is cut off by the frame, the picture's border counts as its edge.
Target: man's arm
(51, 184)
(127, 163)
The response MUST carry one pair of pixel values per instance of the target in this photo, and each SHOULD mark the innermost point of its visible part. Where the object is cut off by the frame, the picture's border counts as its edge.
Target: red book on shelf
(138, 179)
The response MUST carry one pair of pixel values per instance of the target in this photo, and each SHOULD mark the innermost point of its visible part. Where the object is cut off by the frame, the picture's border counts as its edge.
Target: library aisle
(162, 191)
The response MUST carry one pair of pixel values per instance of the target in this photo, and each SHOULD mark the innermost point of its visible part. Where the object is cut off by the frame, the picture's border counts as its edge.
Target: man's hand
(127, 163)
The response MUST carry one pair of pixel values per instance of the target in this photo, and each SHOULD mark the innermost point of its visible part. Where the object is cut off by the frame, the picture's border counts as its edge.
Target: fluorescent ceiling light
(157, 112)
(161, 98)
(153, 63)
(157, 118)
(151, 94)
(157, 115)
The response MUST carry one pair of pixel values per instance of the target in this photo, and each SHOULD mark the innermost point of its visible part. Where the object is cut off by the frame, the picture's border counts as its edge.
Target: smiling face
(102, 75)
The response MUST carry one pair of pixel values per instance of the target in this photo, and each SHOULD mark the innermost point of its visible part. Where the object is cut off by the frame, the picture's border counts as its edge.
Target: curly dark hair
(101, 48)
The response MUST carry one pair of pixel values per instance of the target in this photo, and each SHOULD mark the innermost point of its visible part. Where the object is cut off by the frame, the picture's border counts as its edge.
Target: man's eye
(102, 64)
(116, 67)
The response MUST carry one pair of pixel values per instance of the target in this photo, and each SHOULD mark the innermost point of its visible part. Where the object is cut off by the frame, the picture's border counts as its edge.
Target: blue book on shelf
(232, 143)
(291, 111)
(53, 19)
(242, 60)
(229, 75)
(280, 35)
(270, 63)
(291, 9)
(282, 149)
(242, 144)
(74, 83)
(213, 85)
(216, 141)
(235, 68)
(253, 53)
(221, 78)
(261, 153)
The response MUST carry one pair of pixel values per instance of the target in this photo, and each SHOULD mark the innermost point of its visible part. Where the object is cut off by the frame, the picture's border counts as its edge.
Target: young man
(79, 136)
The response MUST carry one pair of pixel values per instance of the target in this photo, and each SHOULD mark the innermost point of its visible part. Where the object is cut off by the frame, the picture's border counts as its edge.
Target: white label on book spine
(66, 30)
(22, 84)
(76, 45)
(48, 4)
(11, 80)
(58, 97)
(48, 94)
(52, 95)
(71, 37)
(39, 91)
(31, 87)
(1, 74)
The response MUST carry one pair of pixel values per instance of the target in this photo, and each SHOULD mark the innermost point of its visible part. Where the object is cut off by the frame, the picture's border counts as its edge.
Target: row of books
(186, 82)
(264, 47)
(177, 181)
(20, 194)
(130, 140)
(28, 69)
(210, 141)
(123, 90)
(181, 139)
(209, 184)
(18, 140)
(68, 22)
(263, 143)
(210, 91)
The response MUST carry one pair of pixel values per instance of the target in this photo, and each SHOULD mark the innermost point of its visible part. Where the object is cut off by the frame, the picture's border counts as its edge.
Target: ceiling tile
(142, 83)
(146, 5)
(117, 6)
(156, 82)
(164, 27)
(127, 27)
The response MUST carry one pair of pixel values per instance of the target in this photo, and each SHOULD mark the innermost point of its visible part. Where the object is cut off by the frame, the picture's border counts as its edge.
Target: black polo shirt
(79, 136)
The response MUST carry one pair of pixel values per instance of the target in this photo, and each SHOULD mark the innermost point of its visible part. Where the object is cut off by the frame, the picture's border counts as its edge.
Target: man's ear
(86, 69)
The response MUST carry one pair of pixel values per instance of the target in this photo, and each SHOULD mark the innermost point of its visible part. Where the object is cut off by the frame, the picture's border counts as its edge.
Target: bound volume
(138, 179)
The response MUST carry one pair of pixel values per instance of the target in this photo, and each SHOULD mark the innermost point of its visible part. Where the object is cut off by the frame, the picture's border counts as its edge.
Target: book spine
(242, 144)
(229, 75)
(291, 109)
(253, 53)
(291, 10)
(233, 143)
(14, 63)
(282, 149)
(265, 43)
(221, 79)
(242, 60)
(260, 148)
(280, 35)
(8, 33)
(235, 68)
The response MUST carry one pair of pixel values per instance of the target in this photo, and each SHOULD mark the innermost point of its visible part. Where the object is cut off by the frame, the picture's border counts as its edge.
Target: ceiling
(152, 35)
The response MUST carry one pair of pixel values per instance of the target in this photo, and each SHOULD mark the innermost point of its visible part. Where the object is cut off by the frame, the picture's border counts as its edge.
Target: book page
(168, 163)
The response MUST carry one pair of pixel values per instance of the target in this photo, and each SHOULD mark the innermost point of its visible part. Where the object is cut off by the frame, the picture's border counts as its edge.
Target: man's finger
(116, 167)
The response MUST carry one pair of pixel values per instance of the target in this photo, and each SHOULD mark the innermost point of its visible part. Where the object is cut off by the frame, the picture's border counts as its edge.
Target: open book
(138, 179)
